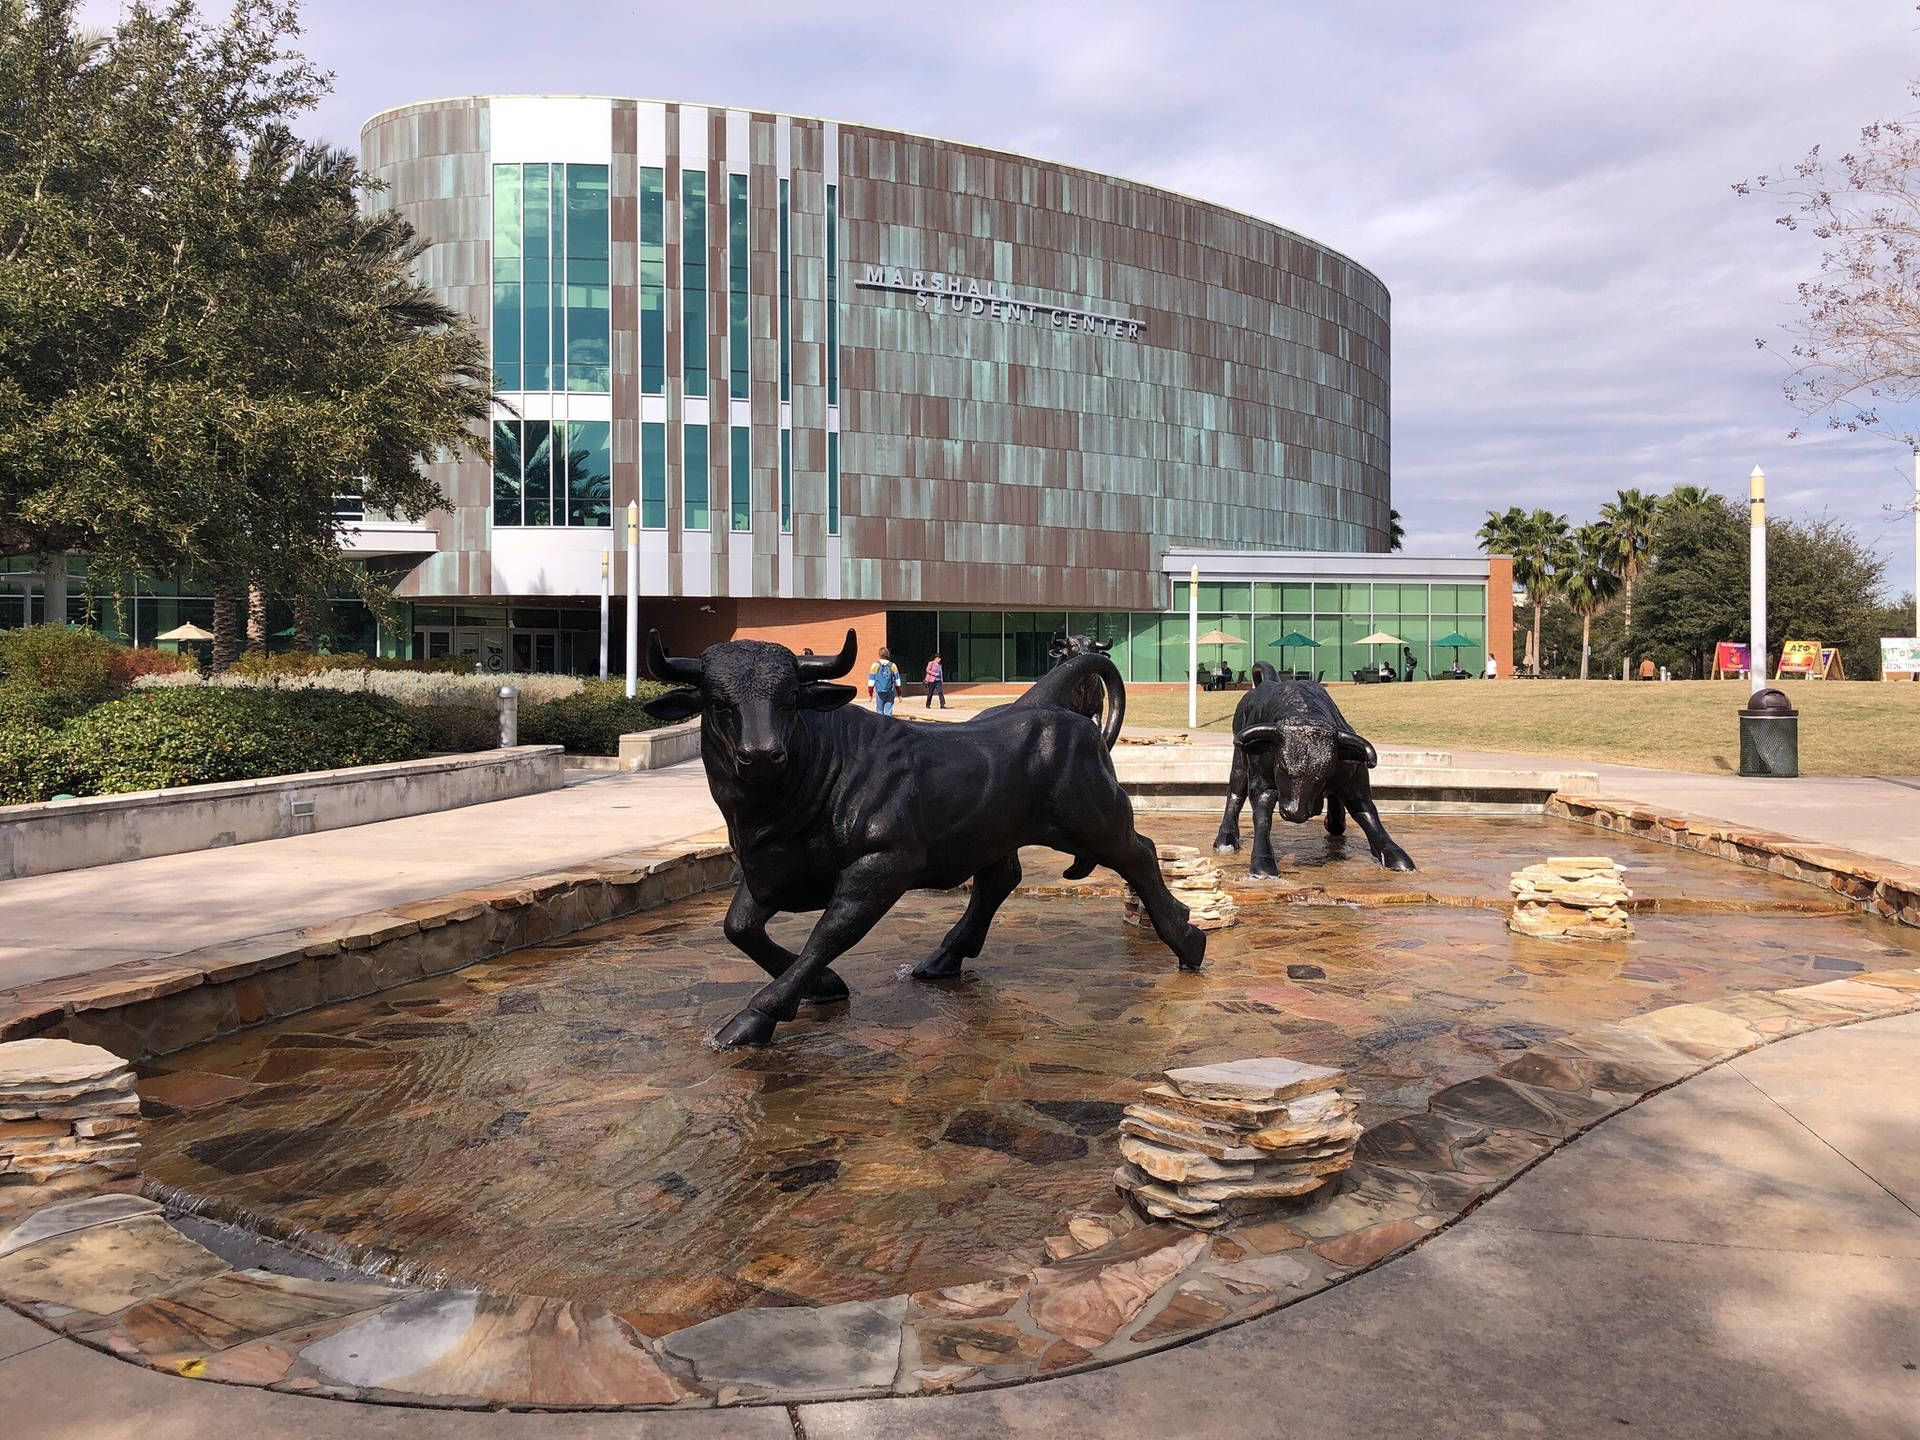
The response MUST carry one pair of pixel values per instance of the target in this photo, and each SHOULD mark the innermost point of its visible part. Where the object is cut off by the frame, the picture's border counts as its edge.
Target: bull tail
(1081, 684)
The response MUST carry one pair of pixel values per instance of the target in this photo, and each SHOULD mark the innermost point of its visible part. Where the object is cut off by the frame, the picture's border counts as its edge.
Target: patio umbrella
(188, 631)
(1219, 638)
(1291, 639)
(1454, 642)
(1378, 637)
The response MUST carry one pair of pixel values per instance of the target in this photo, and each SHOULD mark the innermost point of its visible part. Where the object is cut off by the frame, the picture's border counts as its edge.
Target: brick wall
(1500, 612)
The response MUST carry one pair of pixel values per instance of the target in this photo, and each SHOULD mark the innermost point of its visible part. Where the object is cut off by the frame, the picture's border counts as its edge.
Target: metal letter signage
(939, 293)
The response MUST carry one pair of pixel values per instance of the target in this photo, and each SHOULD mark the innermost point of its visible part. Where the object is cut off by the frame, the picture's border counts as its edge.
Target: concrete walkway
(55, 925)
(1737, 1256)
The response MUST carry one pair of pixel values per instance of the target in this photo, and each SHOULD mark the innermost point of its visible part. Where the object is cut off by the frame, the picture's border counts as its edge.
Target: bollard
(1770, 736)
(509, 717)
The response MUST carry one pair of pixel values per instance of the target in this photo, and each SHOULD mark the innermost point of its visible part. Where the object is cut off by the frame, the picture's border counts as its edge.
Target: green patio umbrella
(1291, 639)
(1454, 641)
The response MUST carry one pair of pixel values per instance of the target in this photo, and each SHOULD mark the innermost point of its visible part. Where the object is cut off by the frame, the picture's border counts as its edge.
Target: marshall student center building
(957, 399)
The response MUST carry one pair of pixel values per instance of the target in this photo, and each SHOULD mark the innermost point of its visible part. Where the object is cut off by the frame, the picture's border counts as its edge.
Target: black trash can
(1770, 736)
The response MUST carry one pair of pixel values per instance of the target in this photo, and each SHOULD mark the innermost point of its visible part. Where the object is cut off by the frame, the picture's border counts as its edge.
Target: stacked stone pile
(1218, 1142)
(67, 1112)
(1195, 882)
(1575, 897)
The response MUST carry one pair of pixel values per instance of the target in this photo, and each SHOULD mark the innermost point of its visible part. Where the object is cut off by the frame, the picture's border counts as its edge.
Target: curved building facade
(843, 371)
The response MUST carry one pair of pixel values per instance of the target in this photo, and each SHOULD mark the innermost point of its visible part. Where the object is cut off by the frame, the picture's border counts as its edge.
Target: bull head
(1063, 645)
(750, 693)
(1302, 760)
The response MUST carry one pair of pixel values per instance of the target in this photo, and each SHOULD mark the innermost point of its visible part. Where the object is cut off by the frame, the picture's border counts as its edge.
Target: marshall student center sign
(938, 293)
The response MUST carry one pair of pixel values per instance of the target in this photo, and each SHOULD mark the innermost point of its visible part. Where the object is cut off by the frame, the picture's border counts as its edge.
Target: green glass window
(833, 482)
(589, 300)
(506, 469)
(653, 475)
(738, 308)
(536, 476)
(786, 482)
(833, 313)
(552, 308)
(786, 262)
(589, 472)
(693, 281)
(653, 287)
(694, 484)
(740, 477)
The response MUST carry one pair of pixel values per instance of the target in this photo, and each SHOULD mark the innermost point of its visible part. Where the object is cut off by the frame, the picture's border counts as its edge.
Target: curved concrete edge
(120, 1278)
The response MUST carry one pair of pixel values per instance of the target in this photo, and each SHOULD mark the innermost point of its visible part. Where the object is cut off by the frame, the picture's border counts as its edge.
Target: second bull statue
(1294, 750)
(837, 809)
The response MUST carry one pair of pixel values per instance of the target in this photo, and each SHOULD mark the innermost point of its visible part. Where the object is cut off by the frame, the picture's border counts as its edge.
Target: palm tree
(1396, 532)
(1630, 522)
(1680, 499)
(1497, 535)
(1537, 543)
(1583, 577)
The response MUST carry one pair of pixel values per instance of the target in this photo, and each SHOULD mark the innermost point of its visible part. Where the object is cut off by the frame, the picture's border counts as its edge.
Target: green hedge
(58, 657)
(592, 721)
(452, 729)
(156, 739)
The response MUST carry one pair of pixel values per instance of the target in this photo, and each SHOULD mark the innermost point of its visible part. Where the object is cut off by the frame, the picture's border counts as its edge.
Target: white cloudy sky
(1545, 187)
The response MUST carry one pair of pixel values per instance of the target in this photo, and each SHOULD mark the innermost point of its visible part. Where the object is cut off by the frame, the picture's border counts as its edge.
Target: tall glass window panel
(653, 475)
(589, 472)
(740, 478)
(536, 485)
(786, 481)
(506, 280)
(537, 273)
(786, 265)
(693, 280)
(653, 282)
(738, 295)
(589, 298)
(833, 482)
(694, 481)
(833, 300)
(506, 468)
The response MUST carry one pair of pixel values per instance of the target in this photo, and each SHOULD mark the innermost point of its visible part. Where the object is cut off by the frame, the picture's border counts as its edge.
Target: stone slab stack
(1572, 897)
(1195, 882)
(1220, 1142)
(68, 1113)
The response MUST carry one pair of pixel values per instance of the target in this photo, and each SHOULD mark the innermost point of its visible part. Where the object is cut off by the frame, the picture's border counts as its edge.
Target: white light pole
(1916, 542)
(606, 594)
(1757, 580)
(633, 595)
(1193, 648)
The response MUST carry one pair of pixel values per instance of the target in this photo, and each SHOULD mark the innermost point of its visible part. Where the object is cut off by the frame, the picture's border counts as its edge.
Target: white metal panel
(655, 563)
(653, 409)
(786, 567)
(530, 129)
(833, 567)
(830, 156)
(556, 405)
(650, 133)
(559, 561)
(783, 145)
(693, 137)
(693, 410)
(739, 412)
(739, 142)
(740, 564)
(696, 562)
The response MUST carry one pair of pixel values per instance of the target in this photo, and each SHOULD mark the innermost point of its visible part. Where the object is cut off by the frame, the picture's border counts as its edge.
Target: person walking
(1493, 667)
(883, 683)
(936, 678)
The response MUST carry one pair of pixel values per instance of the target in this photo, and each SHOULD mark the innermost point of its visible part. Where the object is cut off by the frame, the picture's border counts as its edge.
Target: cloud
(1545, 187)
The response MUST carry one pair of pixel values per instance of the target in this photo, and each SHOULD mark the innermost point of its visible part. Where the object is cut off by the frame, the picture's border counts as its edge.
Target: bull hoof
(1079, 870)
(1226, 844)
(749, 1027)
(1262, 867)
(1192, 949)
(941, 965)
(1394, 858)
(828, 989)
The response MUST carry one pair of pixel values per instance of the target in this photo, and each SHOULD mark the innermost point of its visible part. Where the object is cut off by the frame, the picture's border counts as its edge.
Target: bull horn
(669, 669)
(829, 667)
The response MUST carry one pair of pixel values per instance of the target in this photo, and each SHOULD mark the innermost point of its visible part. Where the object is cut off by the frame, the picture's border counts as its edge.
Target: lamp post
(606, 594)
(1193, 648)
(1769, 725)
(1757, 580)
(633, 595)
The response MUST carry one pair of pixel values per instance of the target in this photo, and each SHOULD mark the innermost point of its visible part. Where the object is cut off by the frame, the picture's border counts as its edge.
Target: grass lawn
(1846, 727)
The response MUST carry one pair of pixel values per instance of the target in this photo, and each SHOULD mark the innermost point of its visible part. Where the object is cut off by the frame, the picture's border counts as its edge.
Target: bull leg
(991, 887)
(1262, 865)
(1228, 838)
(746, 928)
(866, 891)
(1336, 819)
(1359, 803)
(1139, 865)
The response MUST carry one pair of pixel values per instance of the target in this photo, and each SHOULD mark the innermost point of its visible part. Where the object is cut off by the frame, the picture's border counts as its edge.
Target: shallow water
(551, 1121)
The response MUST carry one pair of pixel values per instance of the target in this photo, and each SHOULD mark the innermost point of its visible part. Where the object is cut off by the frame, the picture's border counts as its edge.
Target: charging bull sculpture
(843, 811)
(1292, 748)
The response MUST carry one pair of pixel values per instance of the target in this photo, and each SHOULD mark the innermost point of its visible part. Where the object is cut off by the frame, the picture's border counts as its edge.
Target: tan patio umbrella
(189, 631)
(1220, 638)
(1378, 637)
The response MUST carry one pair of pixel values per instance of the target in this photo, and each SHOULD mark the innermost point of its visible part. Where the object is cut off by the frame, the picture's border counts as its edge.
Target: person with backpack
(883, 683)
(936, 678)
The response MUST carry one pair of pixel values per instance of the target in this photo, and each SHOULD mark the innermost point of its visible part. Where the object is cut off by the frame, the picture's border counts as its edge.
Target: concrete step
(1397, 789)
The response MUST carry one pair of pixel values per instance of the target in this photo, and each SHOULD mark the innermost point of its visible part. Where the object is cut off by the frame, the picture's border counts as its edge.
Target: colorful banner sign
(1802, 658)
(1731, 660)
(1900, 657)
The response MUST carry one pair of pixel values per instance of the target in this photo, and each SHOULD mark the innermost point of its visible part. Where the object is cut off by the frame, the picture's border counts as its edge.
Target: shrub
(31, 706)
(258, 665)
(591, 721)
(206, 734)
(33, 764)
(58, 657)
(130, 664)
(448, 729)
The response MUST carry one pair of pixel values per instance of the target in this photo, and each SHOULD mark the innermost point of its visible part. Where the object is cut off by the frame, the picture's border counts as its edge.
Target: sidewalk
(1737, 1256)
(56, 925)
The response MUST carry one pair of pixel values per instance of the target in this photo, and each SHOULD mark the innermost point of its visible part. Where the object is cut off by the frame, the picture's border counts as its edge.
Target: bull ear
(682, 704)
(824, 695)
(1354, 747)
